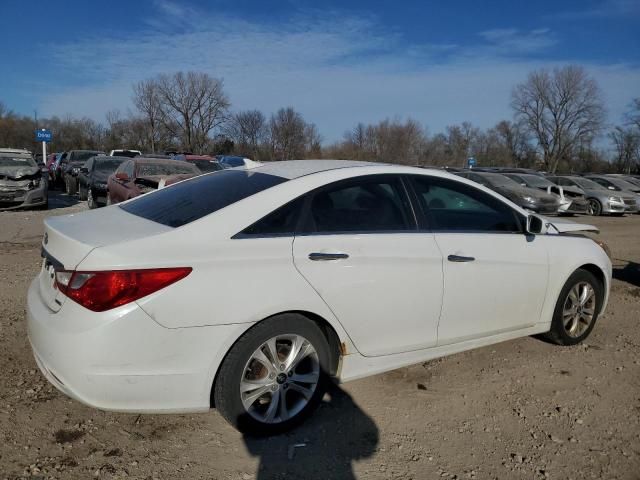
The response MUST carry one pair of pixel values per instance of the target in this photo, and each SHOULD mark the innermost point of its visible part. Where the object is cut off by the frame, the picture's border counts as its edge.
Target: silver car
(621, 186)
(601, 200)
(22, 183)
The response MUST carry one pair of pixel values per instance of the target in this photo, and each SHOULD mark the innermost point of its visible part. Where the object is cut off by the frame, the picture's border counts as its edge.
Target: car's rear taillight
(104, 290)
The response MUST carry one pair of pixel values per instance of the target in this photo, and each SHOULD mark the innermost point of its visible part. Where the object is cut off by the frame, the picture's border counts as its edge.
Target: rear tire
(577, 309)
(263, 396)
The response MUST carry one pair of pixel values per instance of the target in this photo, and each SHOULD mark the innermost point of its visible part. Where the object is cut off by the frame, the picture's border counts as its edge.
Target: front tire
(91, 202)
(577, 309)
(70, 186)
(82, 192)
(274, 376)
(594, 208)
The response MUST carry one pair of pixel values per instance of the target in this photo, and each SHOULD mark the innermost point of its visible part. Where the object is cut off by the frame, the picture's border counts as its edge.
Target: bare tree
(561, 109)
(288, 133)
(249, 131)
(146, 98)
(192, 105)
(626, 141)
(633, 116)
(516, 141)
(460, 139)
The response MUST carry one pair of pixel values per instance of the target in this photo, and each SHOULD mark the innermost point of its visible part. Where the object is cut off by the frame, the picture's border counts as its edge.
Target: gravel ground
(523, 409)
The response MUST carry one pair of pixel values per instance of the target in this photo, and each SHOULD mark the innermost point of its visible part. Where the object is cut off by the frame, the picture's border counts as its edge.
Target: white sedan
(247, 290)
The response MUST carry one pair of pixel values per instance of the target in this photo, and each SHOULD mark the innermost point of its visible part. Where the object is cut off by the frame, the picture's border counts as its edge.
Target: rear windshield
(107, 165)
(185, 202)
(150, 169)
(206, 166)
(537, 181)
(82, 156)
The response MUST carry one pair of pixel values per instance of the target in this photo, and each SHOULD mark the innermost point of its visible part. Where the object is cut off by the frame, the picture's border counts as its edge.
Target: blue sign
(471, 162)
(43, 135)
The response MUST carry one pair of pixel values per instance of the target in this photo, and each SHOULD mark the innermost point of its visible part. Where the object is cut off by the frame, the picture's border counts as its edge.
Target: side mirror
(84, 170)
(611, 187)
(122, 176)
(536, 225)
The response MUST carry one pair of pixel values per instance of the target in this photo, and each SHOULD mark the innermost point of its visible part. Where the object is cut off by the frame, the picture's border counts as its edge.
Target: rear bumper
(122, 360)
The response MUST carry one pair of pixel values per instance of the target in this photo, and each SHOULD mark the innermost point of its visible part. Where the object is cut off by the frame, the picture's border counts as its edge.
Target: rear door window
(366, 205)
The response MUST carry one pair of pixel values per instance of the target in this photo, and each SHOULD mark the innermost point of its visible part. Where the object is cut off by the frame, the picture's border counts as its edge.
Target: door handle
(460, 258)
(317, 256)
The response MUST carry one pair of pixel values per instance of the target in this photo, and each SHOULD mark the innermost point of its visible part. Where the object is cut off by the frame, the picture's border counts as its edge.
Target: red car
(141, 175)
(205, 163)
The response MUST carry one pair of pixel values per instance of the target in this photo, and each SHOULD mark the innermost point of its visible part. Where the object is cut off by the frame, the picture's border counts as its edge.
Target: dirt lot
(522, 409)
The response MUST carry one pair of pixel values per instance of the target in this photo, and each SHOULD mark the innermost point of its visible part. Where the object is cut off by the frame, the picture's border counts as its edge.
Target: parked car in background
(629, 178)
(531, 199)
(22, 183)
(125, 153)
(229, 161)
(93, 176)
(617, 184)
(141, 175)
(572, 199)
(112, 315)
(205, 163)
(70, 167)
(601, 200)
(55, 171)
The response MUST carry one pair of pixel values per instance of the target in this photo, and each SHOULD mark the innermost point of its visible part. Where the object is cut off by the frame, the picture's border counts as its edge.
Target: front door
(495, 276)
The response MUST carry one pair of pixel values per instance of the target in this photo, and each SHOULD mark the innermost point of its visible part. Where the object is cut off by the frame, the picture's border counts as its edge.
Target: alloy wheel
(90, 201)
(579, 309)
(280, 378)
(594, 208)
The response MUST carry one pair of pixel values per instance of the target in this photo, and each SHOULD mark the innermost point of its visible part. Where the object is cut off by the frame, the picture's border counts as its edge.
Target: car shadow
(629, 273)
(325, 446)
(59, 199)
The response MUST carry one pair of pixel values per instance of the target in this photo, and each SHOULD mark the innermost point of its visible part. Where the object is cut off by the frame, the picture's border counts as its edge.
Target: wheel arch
(337, 348)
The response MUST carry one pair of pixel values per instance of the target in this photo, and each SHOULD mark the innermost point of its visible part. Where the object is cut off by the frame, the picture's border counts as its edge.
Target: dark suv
(70, 167)
(92, 179)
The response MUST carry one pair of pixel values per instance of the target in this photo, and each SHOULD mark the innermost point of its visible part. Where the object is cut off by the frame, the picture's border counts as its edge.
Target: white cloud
(336, 69)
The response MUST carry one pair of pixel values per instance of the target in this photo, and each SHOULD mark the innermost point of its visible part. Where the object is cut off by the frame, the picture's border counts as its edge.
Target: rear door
(495, 276)
(362, 252)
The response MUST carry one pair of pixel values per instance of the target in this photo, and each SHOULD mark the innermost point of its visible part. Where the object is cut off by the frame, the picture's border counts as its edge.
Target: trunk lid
(69, 239)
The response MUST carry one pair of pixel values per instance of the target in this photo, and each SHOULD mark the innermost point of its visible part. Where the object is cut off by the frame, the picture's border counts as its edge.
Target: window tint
(187, 201)
(366, 205)
(282, 221)
(453, 206)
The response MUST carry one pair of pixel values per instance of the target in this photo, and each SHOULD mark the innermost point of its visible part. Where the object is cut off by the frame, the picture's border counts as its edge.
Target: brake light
(104, 290)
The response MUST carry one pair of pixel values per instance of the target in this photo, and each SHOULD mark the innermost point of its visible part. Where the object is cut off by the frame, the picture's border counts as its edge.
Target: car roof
(291, 169)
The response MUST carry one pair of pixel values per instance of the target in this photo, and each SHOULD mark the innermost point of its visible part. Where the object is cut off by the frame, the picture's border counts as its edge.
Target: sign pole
(44, 151)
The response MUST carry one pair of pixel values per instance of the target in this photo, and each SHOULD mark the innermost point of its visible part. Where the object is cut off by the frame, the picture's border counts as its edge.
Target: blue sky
(337, 62)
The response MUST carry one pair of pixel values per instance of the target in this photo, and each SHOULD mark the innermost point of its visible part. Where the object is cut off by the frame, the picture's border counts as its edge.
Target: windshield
(233, 161)
(588, 184)
(536, 181)
(498, 180)
(107, 165)
(623, 184)
(15, 161)
(83, 156)
(187, 201)
(206, 166)
(150, 169)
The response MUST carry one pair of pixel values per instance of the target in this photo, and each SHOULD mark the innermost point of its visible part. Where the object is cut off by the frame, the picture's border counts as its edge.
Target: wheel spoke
(249, 399)
(588, 311)
(262, 358)
(283, 411)
(273, 353)
(248, 385)
(305, 392)
(300, 349)
(311, 377)
(586, 294)
(270, 414)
